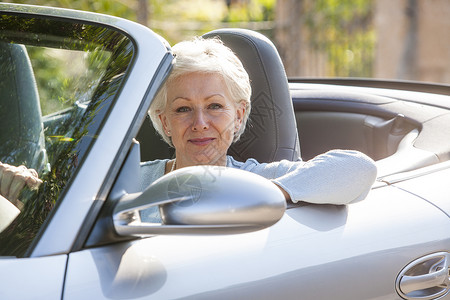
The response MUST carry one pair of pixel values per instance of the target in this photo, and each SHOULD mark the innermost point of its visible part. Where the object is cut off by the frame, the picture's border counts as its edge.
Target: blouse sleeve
(335, 177)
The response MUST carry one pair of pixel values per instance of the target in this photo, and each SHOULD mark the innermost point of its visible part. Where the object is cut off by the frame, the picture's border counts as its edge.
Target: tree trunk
(288, 34)
(292, 37)
(407, 68)
(142, 12)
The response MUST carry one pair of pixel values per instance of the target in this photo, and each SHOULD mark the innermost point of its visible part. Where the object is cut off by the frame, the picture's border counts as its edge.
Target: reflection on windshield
(67, 75)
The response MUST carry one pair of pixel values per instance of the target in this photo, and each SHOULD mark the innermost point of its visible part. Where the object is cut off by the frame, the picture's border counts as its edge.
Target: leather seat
(271, 133)
(22, 133)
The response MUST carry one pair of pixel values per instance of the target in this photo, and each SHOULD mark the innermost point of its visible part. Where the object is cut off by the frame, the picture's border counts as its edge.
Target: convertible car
(75, 89)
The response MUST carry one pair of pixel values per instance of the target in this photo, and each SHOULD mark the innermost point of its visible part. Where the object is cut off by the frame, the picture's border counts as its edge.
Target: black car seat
(21, 129)
(271, 132)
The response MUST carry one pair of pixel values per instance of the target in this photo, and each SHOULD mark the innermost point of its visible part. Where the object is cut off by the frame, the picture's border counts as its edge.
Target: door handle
(425, 278)
(421, 282)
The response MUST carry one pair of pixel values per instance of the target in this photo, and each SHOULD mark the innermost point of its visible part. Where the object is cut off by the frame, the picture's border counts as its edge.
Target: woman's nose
(200, 121)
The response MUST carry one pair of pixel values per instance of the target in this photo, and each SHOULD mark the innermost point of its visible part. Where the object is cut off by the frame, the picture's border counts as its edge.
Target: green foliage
(50, 79)
(60, 84)
(63, 76)
(343, 30)
(252, 11)
(117, 8)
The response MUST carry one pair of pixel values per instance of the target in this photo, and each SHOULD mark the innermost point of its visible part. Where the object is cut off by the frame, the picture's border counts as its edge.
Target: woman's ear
(240, 113)
(166, 127)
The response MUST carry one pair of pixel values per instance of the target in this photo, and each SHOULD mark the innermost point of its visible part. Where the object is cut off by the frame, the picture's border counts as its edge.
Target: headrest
(271, 132)
(21, 134)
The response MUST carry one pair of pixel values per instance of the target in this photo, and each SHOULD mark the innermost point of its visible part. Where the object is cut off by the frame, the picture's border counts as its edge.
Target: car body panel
(285, 260)
(33, 278)
(432, 187)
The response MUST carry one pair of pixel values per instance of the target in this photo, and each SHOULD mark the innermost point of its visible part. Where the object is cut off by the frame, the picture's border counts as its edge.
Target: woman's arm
(335, 177)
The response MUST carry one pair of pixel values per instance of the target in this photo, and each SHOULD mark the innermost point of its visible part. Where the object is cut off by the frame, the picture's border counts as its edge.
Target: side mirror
(202, 200)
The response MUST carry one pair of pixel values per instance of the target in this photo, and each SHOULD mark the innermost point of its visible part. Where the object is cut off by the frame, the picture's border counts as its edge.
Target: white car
(75, 88)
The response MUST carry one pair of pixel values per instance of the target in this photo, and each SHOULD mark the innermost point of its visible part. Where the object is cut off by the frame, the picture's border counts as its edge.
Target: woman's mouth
(201, 141)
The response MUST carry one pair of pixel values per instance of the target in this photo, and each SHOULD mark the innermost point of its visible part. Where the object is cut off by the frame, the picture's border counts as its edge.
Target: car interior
(400, 134)
(389, 130)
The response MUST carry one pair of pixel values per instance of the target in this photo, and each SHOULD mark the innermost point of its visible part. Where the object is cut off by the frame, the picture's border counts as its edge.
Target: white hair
(209, 56)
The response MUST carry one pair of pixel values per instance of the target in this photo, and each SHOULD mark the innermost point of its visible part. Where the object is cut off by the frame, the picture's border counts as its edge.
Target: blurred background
(387, 39)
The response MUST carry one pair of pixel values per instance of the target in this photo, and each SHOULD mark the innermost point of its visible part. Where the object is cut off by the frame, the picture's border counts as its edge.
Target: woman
(203, 108)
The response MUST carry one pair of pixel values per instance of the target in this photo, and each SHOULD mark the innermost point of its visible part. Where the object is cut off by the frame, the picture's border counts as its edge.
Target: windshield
(58, 82)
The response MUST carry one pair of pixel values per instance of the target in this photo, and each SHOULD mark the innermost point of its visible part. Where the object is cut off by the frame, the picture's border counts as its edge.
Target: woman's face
(201, 118)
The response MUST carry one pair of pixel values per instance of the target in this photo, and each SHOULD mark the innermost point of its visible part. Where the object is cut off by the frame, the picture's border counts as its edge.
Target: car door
(313, 252)
(401, 130)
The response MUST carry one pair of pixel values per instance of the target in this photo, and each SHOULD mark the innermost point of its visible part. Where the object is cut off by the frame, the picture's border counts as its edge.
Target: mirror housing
(202, 200)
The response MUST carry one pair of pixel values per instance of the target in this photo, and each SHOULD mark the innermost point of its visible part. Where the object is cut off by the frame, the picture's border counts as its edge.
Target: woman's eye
(215, 106)
(182, 109)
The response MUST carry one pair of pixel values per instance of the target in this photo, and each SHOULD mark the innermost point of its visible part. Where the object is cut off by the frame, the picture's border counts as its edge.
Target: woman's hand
(14, 179)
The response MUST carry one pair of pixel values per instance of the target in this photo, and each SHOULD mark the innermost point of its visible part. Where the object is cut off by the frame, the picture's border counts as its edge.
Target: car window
(58, 80)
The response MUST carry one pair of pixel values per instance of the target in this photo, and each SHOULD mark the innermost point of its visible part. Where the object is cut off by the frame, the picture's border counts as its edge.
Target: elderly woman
(203, 108)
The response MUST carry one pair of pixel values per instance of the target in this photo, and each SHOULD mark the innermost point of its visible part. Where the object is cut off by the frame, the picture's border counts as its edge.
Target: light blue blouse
(335, 177)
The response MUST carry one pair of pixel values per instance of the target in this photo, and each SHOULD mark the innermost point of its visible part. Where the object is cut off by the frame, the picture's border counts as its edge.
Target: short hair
(208, 56)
